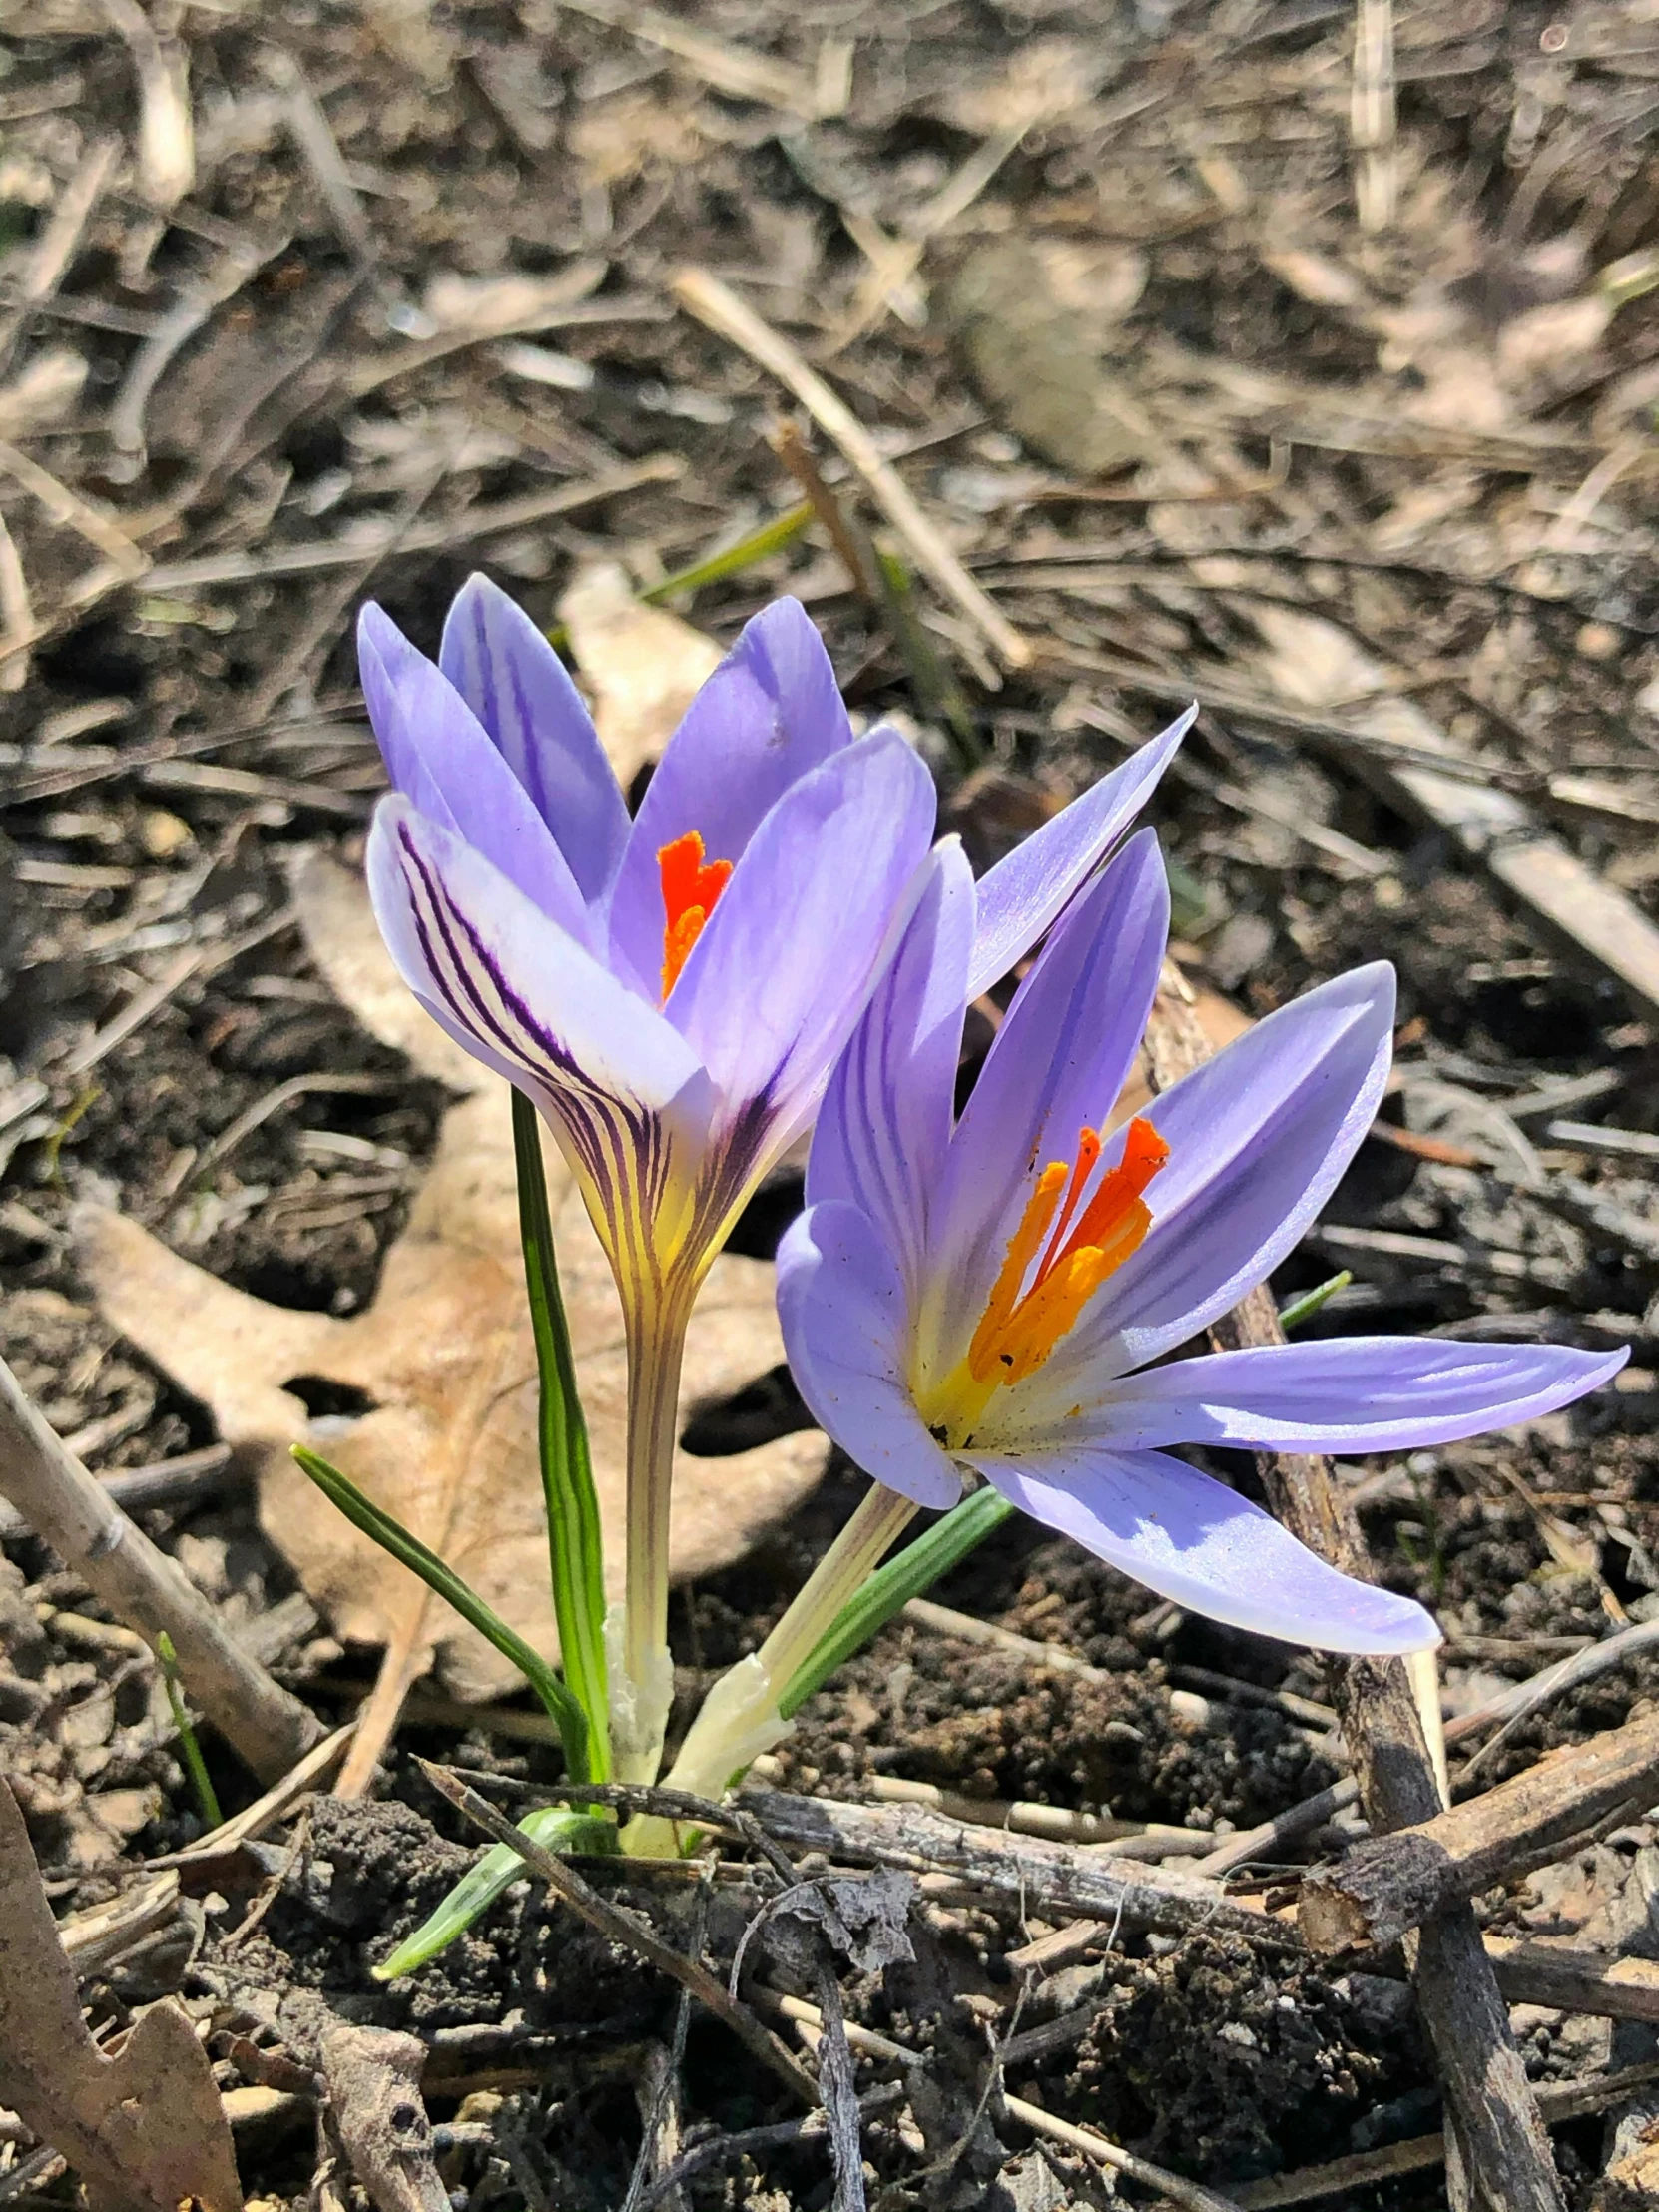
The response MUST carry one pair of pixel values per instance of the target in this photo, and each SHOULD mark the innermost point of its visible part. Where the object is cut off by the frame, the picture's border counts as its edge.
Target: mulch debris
(1167, 345)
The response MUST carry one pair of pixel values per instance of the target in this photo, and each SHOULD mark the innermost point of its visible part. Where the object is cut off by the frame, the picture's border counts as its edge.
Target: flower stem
(739, 1717)
(641, 1699)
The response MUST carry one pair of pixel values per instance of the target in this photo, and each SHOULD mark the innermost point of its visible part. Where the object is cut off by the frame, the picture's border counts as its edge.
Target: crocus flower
(670, 992)
(991, 1296)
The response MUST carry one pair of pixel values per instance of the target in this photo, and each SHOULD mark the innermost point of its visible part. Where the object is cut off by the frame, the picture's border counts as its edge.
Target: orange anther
(691, 887)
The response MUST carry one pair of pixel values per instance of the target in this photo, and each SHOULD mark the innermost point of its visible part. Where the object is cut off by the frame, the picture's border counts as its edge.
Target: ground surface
(1097, 272)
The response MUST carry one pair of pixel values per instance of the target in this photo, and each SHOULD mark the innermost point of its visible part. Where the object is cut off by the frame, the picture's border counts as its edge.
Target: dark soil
(1184, 196)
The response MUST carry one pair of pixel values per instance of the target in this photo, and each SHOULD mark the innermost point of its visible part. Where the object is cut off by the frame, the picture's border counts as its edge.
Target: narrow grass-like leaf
(573, 1533)
(195, 1765)
(568, 1717)
(1308, 1305)
(904, 1577)
(556, 1826)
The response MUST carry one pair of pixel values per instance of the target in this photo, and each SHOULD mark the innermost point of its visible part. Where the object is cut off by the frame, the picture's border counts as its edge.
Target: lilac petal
(1257, 1137)
(884, 1125)
(518, 688)
(439, 755)
(1057, 1065)
(621, 1089)
(1345, 1395)
(803, 930)
(843, 1307)
(1023, 894)
(767, 716)
(1192, 1539)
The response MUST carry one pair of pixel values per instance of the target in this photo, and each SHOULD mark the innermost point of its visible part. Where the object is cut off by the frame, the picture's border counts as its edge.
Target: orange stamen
(691, 888)
(1017, 1332)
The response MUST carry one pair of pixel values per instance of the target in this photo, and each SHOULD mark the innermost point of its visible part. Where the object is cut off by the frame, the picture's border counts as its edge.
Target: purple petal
(768, 715)
(884, 1125)
(1258, 1138)
(845, 1314)
(518, 688)
(439, 755)
(1192, 1539)
(1057, 1065)
(805, 927)
(1347, 1393)
(1023, 894)
(620, 1088)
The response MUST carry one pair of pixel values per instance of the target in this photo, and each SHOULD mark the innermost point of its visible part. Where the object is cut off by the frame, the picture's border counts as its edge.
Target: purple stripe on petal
(440, 758)
(884, 1125)
(517, 686)
(805, 927)
(1021, 897)
(1344, 1394)
(1192, 1539)
(768, 715)
(843, 1309)
(1257, 1137)
(1057, 1065)
(625, 1094)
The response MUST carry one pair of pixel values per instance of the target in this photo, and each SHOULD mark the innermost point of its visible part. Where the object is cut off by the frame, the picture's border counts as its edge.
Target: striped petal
(517, 686)
(1192, 1539)
(623, 1091)
(440, 758)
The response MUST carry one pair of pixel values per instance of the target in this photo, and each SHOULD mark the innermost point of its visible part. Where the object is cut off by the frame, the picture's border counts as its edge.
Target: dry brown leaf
(641, 665)
(444, 1355)
(145, 2130)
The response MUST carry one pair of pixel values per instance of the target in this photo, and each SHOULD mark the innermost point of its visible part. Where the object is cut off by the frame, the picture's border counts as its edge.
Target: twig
(730, 69)
(796, 457)
(1104, 2153)
(1175, 2187)
(720, 2150)
(142, 1586)
(56, 247)
(166, 141)
(472, 523)
(618, 1926)
(1557, 2102)
(1371, 115)
(75, 514)
(1049, 1877)
(314, 137)
(1393, 1882)
(725, 314)
(17, 614)
(1500, 2155)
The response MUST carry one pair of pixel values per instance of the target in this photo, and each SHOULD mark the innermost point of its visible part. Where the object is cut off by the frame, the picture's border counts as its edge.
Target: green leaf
(440, 1576)
(573, 1532)
(1308, 1305)
(893, 1586)
(557, 1827)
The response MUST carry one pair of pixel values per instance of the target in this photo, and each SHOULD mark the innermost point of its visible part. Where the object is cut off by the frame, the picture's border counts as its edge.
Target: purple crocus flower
(670, 992)
(991, 1296)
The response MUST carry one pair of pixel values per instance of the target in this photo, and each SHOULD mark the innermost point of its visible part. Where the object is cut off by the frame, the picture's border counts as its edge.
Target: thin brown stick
(725, 314)
(1393, 1882)
(1557, 2101)
(618, 1926)
(1499, 2155)
(1049, 1877)
(56, 247)
(795, 453)
(143, 1587)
